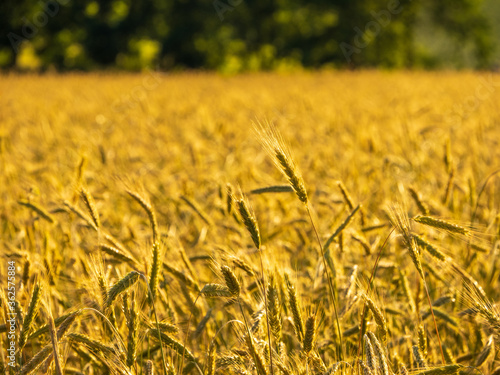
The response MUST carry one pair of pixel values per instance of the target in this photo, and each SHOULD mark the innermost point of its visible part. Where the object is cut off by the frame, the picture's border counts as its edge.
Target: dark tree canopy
(237, 35)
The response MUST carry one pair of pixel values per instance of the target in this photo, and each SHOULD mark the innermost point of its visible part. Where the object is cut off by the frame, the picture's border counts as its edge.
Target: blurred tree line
(236, 35)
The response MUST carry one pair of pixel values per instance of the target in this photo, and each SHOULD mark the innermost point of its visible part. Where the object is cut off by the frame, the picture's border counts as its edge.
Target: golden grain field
(256, 224)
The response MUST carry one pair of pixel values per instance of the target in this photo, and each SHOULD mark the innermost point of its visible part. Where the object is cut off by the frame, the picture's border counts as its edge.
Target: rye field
(271, 224)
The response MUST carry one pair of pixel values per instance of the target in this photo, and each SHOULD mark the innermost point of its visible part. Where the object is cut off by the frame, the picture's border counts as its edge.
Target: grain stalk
(371, 360)
(340, 347)
(298, 323)
(400, 220)
(90, 205)
(379, 318)
(38, 210)
(274, 311)
(282, 157)
(30, 315)
(441, 224)
(232, 289)
(132, 326)
(422, 207)
(148, 208)
(380, 352)
(449, 186)
(55, 344)
(157, 322)
(36, 361)
(370, 285)
(251, 224)
(155, 270)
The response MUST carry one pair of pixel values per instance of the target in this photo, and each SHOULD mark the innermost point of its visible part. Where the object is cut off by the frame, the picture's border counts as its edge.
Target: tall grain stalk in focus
(282, 157)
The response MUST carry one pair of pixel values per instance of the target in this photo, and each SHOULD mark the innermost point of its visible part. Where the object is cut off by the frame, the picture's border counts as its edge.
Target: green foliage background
(238, 35)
